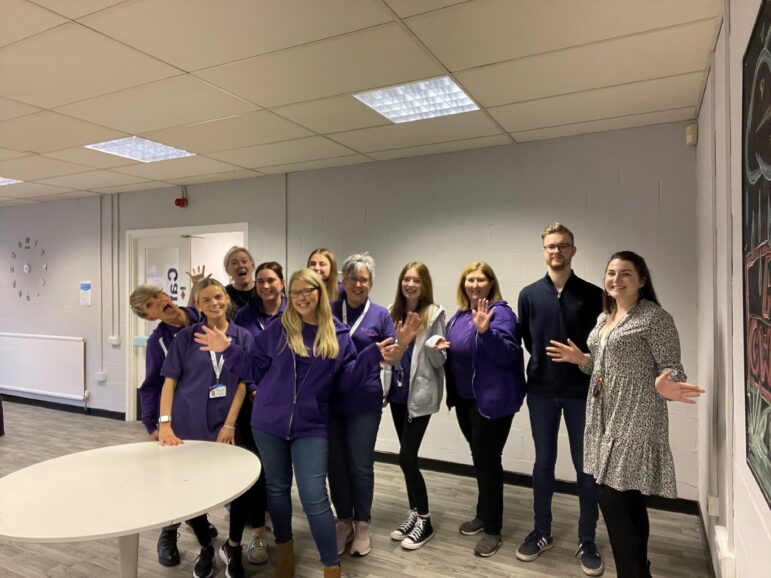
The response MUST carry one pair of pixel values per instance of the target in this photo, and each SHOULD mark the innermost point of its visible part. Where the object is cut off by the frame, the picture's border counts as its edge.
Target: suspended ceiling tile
(504, 29)
(47, 131)
(10, 202)
(173, 30)
(74, 9)
(635, 98)
(6, 154)
(177, 168)
(65, 196)
(31, 190)
(293, 151)
(445, 147)
(319, 164)
(12, 109)
(335, 114)
(34, 167)
(72, 63)
(248, 129)
(170, 102)
(217, 177)
(655, 54)
(20, 18)
(132, 188)
(372, 58)
(406, 8)
(630, 121)
(92, 180)
(421, 132)
(90, 158)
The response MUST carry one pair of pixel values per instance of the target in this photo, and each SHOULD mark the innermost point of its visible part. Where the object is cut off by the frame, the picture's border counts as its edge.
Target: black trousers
(626, 518)
(249, 508)
(2, 427)
(486, 437)
(411, 432)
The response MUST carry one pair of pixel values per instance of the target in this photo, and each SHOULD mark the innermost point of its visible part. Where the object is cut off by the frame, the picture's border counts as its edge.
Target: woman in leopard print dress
(635, 365)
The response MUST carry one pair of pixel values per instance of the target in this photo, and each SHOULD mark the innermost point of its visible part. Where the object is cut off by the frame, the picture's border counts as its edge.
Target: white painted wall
(630, 189)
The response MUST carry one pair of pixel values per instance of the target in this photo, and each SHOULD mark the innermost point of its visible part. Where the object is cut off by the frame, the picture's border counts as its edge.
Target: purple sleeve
(172, 366)
(252, 365)
(387, 325)
(150, 390)
(354, 369)
(500, 344)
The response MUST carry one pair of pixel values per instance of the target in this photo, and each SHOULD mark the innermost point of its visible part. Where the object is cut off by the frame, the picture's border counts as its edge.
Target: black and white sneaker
(402, 531)
(533, 546)
(231, 556)
(420, 534)
(204, 564)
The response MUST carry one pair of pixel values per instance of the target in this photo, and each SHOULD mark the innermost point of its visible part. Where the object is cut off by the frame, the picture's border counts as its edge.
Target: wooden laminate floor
(34, 434)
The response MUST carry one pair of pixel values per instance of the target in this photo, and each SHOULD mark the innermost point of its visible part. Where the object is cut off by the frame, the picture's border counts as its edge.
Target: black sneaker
(168, 554)
(420, 534)
(401, 532)
(204, 564)
(213, 533)
(534, 544)
(231, 556)
(591, 561)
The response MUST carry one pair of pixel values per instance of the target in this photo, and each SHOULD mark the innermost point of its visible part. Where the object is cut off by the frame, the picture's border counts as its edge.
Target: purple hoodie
(373, 328)
(487, 367)
(158, 345)
(286, 406)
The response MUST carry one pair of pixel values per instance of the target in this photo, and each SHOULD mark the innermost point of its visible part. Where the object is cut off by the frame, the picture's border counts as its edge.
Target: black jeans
(486, 437)
(626, 518)
(410, 432)
(249, 508)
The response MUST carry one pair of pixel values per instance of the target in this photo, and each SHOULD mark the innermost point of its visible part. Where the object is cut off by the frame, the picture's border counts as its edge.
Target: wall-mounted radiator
(47, 365)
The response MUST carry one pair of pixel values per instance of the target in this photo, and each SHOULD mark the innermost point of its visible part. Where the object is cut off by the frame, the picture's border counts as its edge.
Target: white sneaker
(362, 540)
(257, 550)
(344, 531)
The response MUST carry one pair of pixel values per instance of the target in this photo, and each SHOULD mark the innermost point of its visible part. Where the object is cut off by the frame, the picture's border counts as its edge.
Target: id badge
(216, 391)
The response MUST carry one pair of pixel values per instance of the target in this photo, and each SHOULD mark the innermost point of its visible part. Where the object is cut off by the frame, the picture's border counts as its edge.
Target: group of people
(301, 373)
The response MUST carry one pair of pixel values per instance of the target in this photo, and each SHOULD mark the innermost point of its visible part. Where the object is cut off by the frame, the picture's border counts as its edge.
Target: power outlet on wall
(113, 340)
(101, 376)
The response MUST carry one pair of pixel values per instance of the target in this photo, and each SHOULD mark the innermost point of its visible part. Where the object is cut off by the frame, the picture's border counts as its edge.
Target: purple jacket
(373, 328)
(497, 366)
(252, 318)
(196, 416)
(158, 345)
(282, 406)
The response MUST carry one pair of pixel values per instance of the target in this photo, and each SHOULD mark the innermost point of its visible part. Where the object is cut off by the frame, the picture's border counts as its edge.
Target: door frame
(133, 236)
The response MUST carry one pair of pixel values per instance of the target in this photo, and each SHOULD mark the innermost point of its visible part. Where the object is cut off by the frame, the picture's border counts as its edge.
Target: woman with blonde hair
(415, 382)
(295, 365)
(486, 385)
(323, 262)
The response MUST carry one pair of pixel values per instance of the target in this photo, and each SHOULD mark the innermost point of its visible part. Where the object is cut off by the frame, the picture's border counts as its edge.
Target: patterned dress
(626, 439)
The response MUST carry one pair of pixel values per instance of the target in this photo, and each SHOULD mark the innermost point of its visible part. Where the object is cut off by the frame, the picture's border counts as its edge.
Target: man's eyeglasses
(303, 292)
(562, 247)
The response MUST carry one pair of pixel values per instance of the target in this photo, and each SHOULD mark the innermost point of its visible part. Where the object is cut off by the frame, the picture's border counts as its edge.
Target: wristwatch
(164, 419)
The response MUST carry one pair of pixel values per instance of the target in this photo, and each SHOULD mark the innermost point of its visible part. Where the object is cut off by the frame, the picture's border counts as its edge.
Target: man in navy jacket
(563, 307)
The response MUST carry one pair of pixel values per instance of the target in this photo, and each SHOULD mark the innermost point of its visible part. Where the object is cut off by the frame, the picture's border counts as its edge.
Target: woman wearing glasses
(486, 385)
(356, 415)
(634, 362)
(295, 365)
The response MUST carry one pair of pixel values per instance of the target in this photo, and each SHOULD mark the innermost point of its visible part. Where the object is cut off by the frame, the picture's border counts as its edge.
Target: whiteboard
(48, 365)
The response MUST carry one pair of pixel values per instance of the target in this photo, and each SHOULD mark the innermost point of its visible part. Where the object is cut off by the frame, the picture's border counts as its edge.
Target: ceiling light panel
(4, 181)
(419, 100)
(139, 149)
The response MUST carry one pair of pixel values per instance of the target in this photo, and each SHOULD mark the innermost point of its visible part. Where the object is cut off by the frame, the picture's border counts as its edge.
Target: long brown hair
(646, 291)
(399, 308)
(331, 283)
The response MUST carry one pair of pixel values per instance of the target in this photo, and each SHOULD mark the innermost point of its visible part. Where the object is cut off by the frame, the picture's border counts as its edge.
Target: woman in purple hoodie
(486, 384)
(295, 365)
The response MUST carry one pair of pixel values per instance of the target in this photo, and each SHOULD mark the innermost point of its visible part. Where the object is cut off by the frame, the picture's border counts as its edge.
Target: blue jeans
(352, 463)
(309, 458)
(544, 423)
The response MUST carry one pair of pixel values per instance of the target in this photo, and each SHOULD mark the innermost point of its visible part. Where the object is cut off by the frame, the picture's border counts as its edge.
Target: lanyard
(355, 326)
(217, 366)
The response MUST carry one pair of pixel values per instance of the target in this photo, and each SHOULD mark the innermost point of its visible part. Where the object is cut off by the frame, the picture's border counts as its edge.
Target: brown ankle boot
(284, 560)
(332, 571)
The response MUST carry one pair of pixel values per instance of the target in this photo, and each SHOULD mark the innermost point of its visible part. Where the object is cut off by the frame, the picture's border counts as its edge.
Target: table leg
(128, 546)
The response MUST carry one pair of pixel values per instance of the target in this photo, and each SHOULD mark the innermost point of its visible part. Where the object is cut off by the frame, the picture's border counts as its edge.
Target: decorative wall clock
(28, 269)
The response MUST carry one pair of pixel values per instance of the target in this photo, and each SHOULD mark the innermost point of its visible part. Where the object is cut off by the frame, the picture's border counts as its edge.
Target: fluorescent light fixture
(419, 100)
(139, 149)
(4, 181)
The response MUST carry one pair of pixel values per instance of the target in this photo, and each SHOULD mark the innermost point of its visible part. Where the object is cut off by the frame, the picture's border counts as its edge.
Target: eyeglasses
(562, 247)
(357, 280)
(303, 292)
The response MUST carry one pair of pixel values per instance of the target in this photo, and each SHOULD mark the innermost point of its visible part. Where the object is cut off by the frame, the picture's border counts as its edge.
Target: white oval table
(120, 491)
